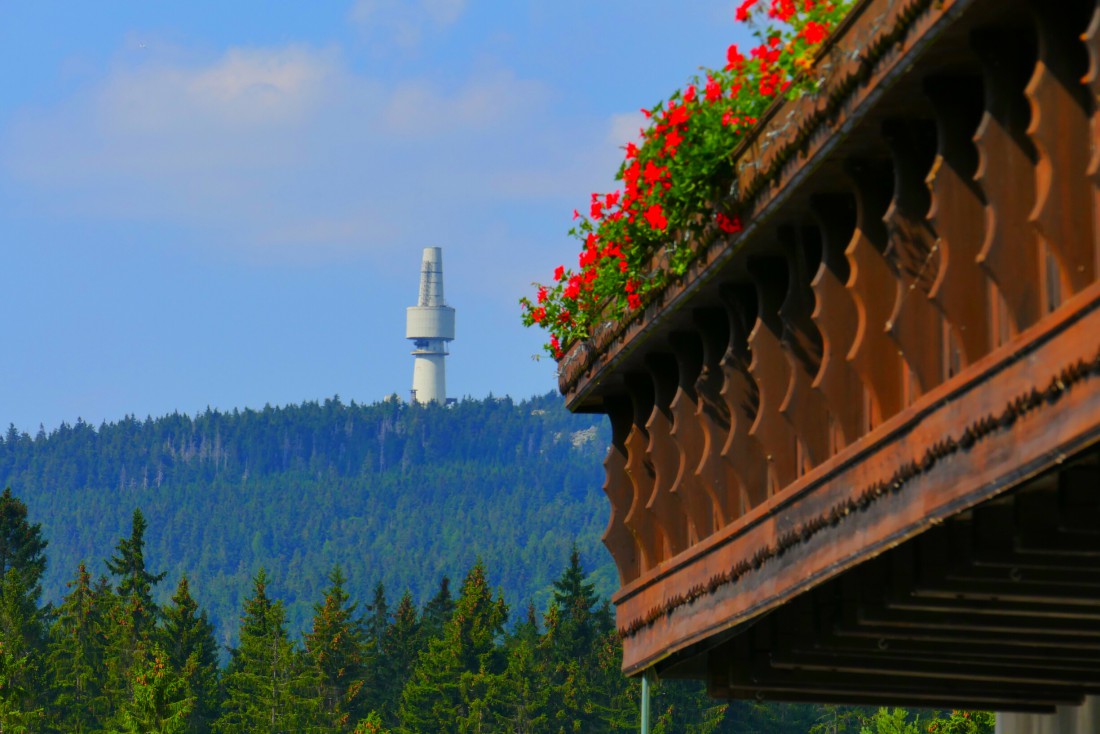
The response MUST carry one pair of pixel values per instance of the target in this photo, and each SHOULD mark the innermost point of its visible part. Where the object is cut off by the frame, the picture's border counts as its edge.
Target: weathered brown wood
(942, 487)
(1010, 250)
(804, 406)
(1092, 43)
(1060, 129)
(742, 451)
(957, 214)
(915, 323)
(695, 496)
(618, 539)
(713, 416)
(837, 319)
(874, 355)
(647, 531)
(664, 504)
(771, 370)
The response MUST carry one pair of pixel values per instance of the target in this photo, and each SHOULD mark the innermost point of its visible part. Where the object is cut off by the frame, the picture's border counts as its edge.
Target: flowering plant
(673, 181)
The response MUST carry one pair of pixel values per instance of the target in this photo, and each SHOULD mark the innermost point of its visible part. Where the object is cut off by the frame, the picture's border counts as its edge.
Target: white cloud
(281, 152)
(404, 23)
(491, 101)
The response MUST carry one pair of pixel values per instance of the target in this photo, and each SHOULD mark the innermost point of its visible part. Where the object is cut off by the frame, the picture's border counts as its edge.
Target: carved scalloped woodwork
(1010, 251)
(957, 214)
(618, 539)
(837, 319)
(645, 528)
(803, 406)
(771, 371)
(713, 415)
(1092, 43)
(873, 354)
(916, 324)
(696, 497)
(664, 504)
(1060, 129)
(742, 450)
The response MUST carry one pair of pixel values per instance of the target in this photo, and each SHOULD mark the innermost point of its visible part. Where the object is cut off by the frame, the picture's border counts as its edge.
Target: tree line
(394, 492)
(108, 658)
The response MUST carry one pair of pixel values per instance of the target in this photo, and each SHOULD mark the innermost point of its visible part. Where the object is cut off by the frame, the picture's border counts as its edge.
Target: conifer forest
(383, 568)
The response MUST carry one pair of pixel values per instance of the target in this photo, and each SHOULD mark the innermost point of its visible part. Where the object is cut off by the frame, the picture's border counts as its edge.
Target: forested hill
(393, 493)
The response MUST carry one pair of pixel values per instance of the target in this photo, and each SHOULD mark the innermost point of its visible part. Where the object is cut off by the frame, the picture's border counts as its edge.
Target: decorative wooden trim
(925, 464)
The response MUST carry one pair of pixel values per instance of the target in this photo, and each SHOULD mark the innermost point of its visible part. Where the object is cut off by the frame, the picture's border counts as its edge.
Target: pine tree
(379, 619)
(586, 695)
(438, 611)
(265, 684)
(135, 582)
(22, 547)
(22, 622)
(21, 688)
(133, 615)
(76, 656)
(521, 702)
(582, 617)
(336, 651)
(161, 701)
(450, 683)
(187, 640)
(400, 648)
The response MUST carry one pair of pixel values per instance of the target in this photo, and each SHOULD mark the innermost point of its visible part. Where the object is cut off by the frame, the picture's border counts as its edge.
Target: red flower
(734, 59)
(714, 90)
(726, 224)
(814, 32)
(542, 294)
(573, 288)
(555, 346)
(596, 211)
(559, 272)
(743, 10)
(538, 314)
(633, 301)
(653, 173)
(576, 215)
(672, 142)
(656, 218)
(689, 93)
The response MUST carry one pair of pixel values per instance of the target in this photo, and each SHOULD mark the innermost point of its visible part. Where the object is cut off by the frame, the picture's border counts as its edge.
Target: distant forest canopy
(391, 492)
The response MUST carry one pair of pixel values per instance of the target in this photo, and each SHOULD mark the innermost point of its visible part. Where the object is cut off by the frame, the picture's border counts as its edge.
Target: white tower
(430, 325)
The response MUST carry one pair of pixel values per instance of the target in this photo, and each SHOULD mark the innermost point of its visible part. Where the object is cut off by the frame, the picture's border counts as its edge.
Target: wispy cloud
(278, 151)
(404, 23)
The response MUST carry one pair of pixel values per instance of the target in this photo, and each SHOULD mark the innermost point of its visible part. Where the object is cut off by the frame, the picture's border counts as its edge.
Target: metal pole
(646, 681)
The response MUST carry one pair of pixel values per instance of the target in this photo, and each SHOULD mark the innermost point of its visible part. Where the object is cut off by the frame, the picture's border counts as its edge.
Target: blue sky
(224, 203)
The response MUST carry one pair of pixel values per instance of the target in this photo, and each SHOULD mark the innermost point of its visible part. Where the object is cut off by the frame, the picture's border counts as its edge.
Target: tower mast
(430, 325)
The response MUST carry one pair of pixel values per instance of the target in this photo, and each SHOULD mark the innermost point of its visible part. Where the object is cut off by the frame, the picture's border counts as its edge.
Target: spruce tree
(161, 700)
(266, 688)
(336, 652)
(133, 615)
(379, 619)
(400, 648)
(438, 611)
(135, 582)
(76, 655)
(22, 622)
(449, 686)
(22, 547)
(577, 632)
(187, 639)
